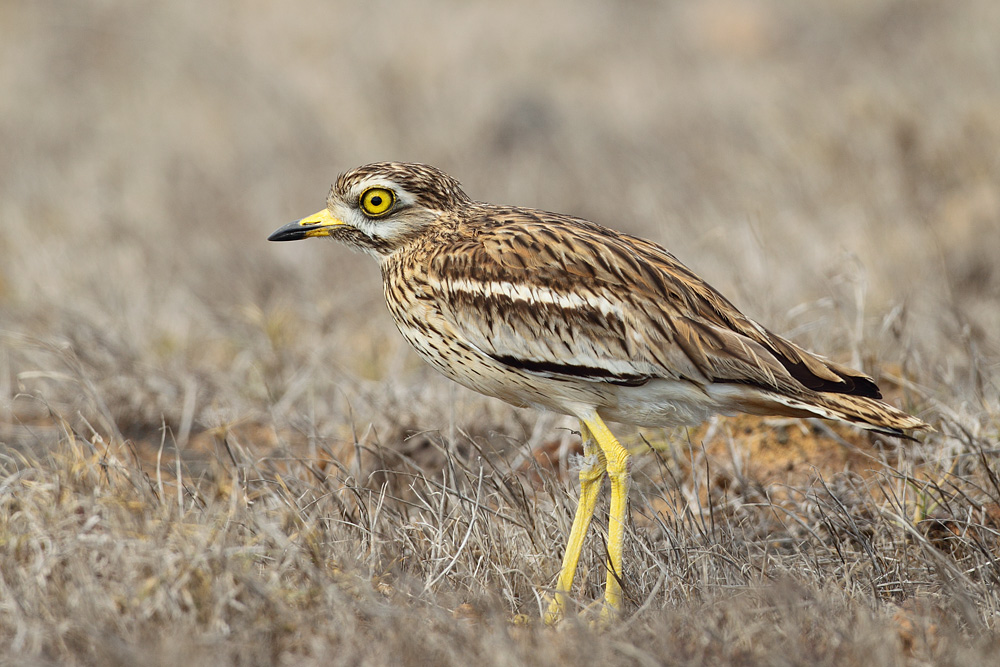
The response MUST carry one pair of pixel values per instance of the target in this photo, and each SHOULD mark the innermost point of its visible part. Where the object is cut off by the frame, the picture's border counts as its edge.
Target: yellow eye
(376, 202)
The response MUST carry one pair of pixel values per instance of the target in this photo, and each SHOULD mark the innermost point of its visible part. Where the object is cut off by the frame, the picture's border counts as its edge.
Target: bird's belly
(659, 402)
(469, 367)
(664, 402)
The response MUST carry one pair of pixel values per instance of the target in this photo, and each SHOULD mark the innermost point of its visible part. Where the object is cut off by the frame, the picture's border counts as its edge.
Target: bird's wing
(559, 296)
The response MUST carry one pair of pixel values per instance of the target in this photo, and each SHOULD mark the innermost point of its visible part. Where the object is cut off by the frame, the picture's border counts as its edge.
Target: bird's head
(379, 207)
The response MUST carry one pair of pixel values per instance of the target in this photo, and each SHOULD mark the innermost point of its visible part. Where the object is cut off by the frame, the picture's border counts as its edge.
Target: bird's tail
(867, 413)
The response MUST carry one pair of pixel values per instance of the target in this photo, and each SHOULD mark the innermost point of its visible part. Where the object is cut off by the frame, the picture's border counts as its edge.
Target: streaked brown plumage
(546, 310)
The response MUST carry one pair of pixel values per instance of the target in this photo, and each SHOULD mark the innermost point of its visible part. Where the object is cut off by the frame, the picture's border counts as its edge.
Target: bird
(554, 312)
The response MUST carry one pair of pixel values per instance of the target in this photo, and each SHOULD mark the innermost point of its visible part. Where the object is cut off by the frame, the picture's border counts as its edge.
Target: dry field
(218, 450)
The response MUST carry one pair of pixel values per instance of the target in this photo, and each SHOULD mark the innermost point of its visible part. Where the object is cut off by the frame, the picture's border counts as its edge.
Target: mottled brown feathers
(549, 310)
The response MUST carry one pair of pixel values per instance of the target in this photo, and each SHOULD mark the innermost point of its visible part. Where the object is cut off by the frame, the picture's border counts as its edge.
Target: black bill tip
(293, 231)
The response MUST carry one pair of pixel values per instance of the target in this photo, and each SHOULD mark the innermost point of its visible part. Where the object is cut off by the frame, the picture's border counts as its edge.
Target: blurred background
(834, 168)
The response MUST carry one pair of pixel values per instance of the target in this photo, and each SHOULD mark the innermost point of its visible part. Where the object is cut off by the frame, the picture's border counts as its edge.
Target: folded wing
(559, 296)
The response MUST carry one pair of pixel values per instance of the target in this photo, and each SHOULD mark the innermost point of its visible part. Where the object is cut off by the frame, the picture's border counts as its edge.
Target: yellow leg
(591, 475)
(617, 458)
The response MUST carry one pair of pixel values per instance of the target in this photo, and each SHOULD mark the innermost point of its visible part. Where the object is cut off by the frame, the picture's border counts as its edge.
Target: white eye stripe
(400, 196)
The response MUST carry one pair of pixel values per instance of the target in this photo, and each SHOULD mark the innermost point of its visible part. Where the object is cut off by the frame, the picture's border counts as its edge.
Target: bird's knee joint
(590, 467)
(619, 463)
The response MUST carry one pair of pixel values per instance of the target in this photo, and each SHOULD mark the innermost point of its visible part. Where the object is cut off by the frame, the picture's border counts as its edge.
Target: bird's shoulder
(534, 244)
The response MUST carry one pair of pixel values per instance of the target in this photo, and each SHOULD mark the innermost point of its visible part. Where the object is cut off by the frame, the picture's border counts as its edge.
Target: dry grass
(216, 450)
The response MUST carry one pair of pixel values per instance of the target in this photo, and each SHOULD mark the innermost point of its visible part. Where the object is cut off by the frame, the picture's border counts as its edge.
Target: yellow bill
(317, 224)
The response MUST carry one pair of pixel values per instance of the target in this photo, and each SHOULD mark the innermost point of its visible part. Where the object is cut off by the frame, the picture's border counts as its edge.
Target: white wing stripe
(535, 294)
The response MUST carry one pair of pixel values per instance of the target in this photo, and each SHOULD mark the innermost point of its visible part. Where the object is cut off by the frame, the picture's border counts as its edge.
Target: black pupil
(375, 200)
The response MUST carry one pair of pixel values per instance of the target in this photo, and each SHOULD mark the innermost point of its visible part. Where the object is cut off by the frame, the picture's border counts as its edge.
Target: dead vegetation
(217, 451)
